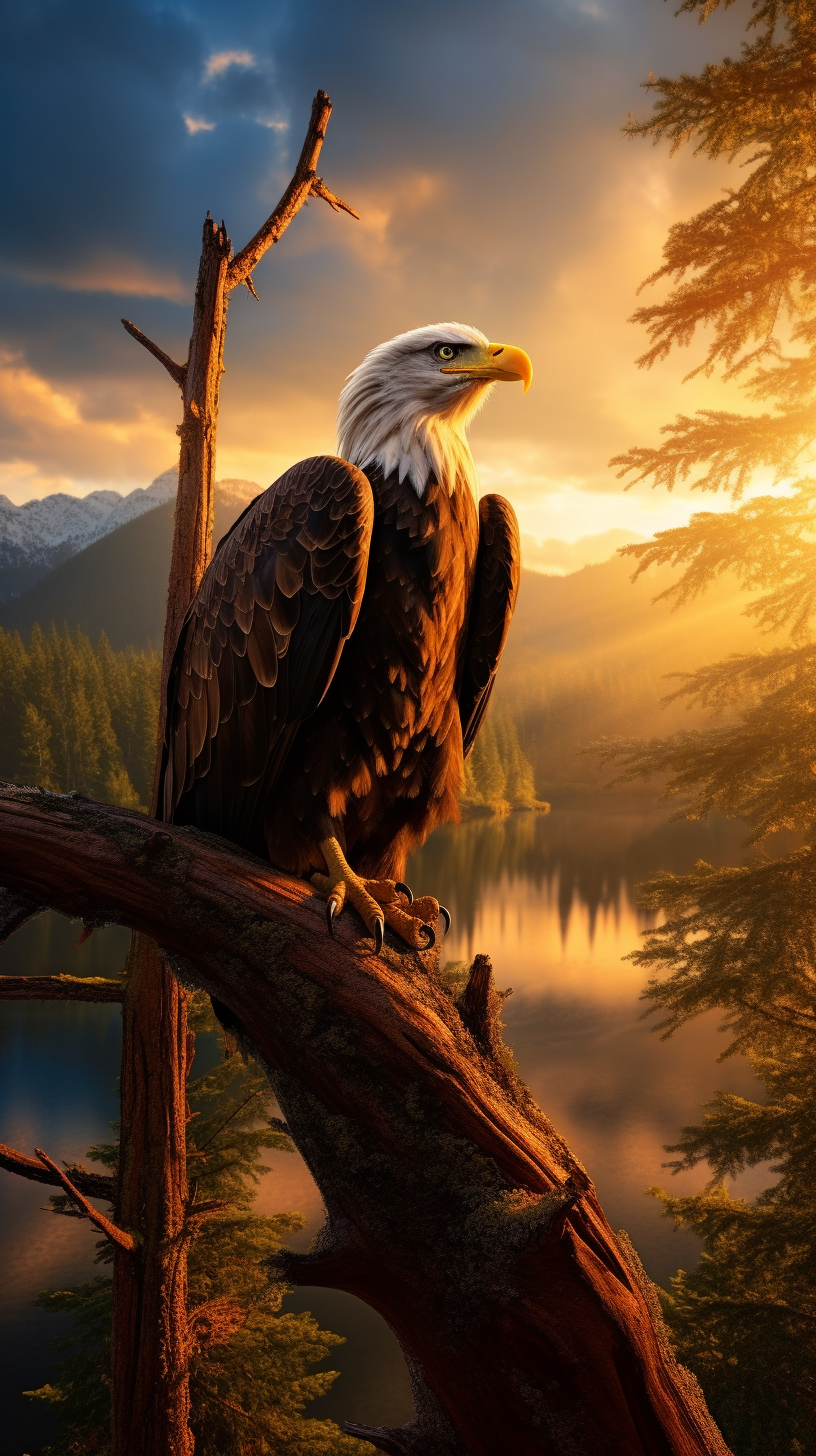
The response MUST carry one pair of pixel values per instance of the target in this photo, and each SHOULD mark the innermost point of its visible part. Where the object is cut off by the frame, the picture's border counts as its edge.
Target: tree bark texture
(454, 1208)
(151, 1345)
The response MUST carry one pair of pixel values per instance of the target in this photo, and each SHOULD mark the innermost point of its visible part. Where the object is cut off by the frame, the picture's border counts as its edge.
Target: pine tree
(519, 785)
(35, 756)
(498, 775)
(250, 1380)
(78, 717)
(485, 776)
(743, 940)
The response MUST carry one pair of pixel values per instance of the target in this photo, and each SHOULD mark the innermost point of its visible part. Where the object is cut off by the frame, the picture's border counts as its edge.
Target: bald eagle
(332, 673)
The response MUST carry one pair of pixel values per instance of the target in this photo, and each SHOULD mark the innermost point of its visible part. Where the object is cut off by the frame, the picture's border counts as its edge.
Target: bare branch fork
(117, 1236)
(304, 183)
(529, 1326)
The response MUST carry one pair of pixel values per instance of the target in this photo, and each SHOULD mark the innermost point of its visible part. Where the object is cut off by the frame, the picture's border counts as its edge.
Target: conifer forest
(364, 1183)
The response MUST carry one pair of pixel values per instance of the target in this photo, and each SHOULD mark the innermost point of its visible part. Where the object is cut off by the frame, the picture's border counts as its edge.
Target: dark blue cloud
(507, 116)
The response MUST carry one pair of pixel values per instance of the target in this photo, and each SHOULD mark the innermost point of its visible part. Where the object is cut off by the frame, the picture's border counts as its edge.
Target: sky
(479, 141)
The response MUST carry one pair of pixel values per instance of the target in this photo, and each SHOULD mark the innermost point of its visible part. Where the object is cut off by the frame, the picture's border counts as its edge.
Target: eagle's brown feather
(498, 570)
(336, 665)
(261, 642)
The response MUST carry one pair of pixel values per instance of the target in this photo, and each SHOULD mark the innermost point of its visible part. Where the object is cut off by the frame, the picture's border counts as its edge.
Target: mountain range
(118, 584)
(37, 536)
(42, 534)
(108, 570)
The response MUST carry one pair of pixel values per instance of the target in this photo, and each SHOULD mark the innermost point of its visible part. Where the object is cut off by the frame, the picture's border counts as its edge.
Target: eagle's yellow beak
(497, 361)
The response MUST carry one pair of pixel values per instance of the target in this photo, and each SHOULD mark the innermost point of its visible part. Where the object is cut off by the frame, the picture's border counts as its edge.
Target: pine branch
(732, 446)
(199, 1151)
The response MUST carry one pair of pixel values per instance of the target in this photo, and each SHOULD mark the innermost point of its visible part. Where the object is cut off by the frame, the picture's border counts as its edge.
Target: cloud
(129, 277)
(195, 124)
(222, 60)
(481, 145)
(57, 437)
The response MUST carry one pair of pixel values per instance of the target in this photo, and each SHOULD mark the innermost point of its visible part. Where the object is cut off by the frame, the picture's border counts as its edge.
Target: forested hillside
(74, 716)
(587, 657)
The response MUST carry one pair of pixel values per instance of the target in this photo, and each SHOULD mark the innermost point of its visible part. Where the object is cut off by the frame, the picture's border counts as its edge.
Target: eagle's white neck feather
(399, 411)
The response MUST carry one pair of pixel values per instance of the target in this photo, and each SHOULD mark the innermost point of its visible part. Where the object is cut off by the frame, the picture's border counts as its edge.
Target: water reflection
(550, 898)
(555, 864)
(59, 1062)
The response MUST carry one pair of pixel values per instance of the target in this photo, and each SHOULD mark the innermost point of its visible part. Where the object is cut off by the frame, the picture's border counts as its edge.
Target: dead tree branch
(200, 378)
(178, 372)
(529, 1325)
(305, 181)
(115, 1235)
(319, 189)
(95, 1185)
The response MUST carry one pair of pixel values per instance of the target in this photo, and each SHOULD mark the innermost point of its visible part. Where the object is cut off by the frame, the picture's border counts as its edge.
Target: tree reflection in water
(593, 856)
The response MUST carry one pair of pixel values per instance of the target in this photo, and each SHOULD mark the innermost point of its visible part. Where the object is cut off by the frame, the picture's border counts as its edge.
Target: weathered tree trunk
(151, 1344)
(150, 1407)
(150, 1400)
(453, 1206)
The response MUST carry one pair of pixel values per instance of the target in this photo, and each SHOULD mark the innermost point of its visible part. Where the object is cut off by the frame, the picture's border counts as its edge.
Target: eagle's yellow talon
(425, 907)
(378, 902)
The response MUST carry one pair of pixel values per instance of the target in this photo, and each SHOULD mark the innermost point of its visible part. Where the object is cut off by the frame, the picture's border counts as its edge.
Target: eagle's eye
(446, 352)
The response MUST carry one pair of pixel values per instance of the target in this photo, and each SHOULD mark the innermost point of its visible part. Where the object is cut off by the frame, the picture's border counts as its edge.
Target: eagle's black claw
(403, 889)
(379, 928)
(446, 916)
(331, 910)
(430, 938)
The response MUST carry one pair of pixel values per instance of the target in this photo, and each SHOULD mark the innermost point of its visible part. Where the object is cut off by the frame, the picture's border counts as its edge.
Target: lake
(550, 899)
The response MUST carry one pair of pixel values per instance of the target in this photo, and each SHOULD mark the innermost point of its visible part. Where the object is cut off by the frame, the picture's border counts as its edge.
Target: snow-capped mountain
(36, 537)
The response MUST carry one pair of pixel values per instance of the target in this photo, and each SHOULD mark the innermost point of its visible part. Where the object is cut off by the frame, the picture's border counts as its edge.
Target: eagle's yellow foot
(378, 902)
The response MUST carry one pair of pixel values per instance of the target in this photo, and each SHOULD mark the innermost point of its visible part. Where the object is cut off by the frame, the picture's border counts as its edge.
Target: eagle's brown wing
(495, 588)
(261, 643)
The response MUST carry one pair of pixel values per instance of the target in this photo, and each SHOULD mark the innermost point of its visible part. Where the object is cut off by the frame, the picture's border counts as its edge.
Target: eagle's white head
(408, 405)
